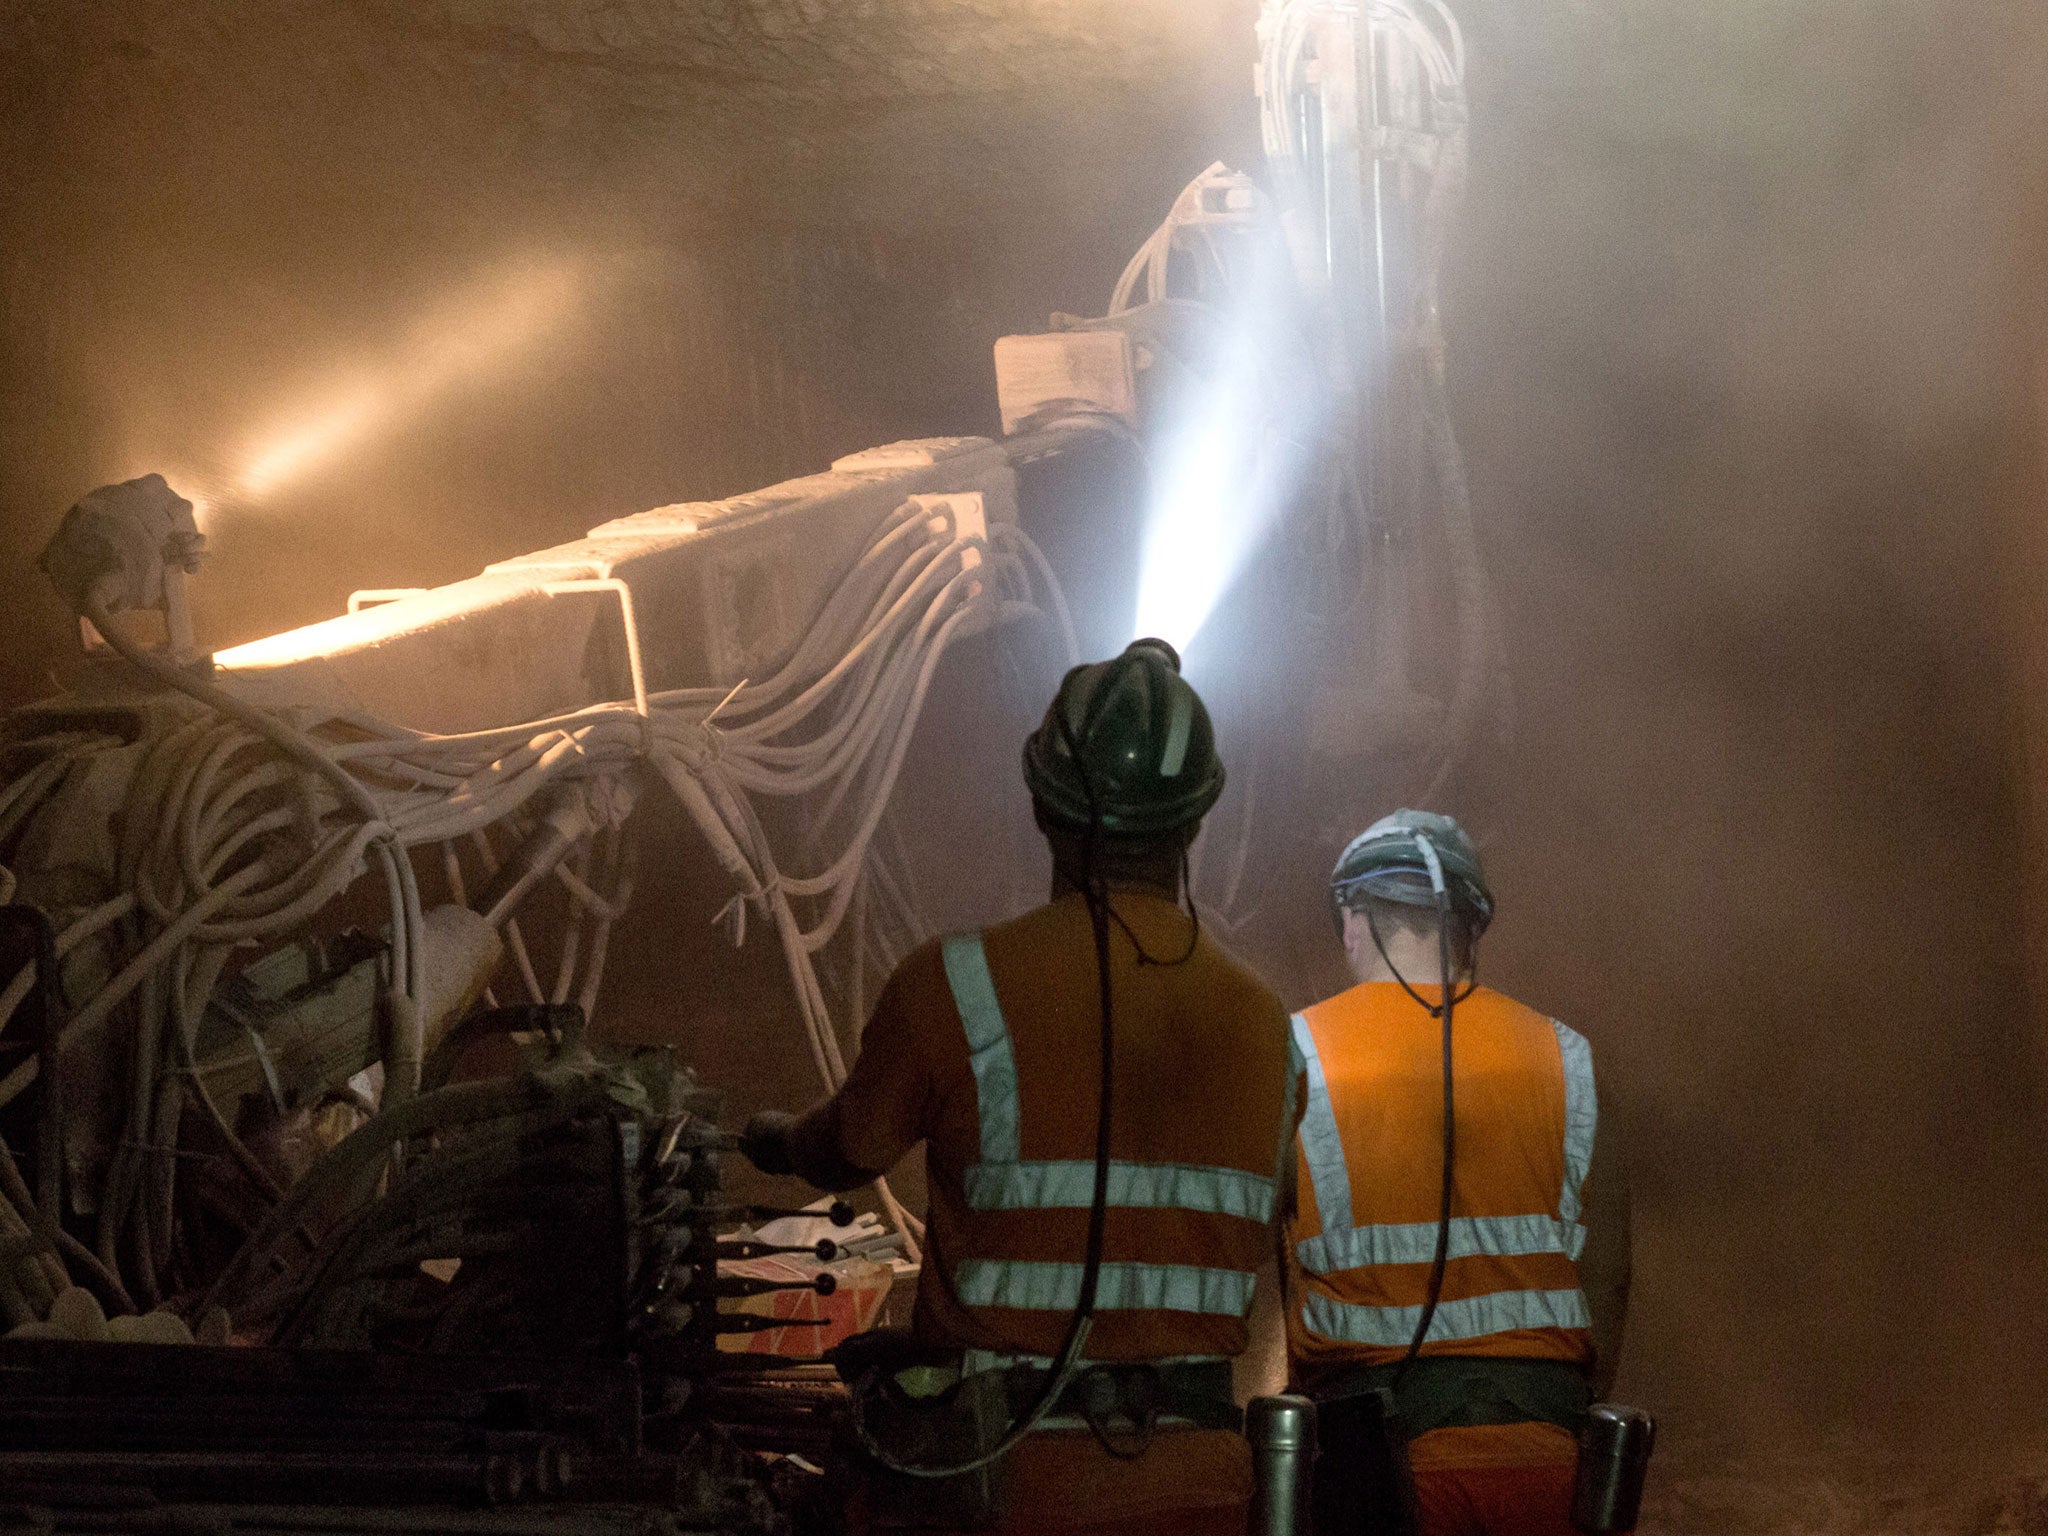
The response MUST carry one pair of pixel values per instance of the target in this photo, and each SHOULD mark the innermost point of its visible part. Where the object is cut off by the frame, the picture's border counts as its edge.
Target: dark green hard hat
(1387, 860)
(1126, 740)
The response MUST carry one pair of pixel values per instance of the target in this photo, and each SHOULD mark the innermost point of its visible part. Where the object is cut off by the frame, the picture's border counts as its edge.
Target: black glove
(766, 1139)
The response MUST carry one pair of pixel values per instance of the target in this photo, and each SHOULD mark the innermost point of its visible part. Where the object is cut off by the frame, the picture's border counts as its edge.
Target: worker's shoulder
(1506, 1007)
(1505, 1012)
(1033, 924)
(926, 956)
(1508, 1014)
(1221, 968)
(917, 987)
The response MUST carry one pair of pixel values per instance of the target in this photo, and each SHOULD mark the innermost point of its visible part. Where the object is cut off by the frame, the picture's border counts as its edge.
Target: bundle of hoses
(241, 825)
(271, 1273)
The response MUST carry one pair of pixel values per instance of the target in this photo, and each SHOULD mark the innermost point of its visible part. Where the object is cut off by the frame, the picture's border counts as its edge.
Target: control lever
(748, 1322)
(749, 1285)
(824, 1249)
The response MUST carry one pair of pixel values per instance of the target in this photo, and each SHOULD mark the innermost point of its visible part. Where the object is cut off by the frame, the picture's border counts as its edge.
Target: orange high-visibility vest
(1370, 1170)
(1193, 1187)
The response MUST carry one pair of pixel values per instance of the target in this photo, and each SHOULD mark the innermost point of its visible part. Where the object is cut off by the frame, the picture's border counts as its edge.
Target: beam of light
(1233, 456)
(307, 443)
(478, 330)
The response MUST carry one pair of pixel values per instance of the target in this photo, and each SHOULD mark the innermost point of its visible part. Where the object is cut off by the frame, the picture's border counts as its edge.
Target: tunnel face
(1743, 339)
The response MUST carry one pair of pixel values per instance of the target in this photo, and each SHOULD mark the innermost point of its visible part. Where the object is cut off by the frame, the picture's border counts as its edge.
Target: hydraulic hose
(15, 1188)
(244, 823)
(309, 755)
(364, 1150)
(48, 1201)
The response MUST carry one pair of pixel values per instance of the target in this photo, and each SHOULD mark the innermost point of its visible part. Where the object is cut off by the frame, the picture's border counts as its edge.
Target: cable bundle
(1288, 29)
(241, 826)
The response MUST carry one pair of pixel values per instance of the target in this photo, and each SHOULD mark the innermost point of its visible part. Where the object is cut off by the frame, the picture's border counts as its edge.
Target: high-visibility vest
(1365, 1229)
(1183, 1242)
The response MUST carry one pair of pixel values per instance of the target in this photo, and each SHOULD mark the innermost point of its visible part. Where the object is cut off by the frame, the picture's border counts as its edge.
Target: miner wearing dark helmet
(1093, 1237)
(1459, 1253)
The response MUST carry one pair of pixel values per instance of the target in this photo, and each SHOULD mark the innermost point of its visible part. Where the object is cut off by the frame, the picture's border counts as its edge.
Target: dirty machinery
(275, 1253)
(257, 930)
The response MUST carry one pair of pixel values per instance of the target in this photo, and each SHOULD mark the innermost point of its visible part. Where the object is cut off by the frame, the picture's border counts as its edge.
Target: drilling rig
(273, 1243)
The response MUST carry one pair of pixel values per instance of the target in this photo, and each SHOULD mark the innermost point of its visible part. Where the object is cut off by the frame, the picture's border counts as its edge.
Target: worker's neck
(1408, 956)
(1137, 882)
(1149, 868)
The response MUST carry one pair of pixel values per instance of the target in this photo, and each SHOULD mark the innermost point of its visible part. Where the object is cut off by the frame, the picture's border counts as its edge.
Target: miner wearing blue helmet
(1458, 1254)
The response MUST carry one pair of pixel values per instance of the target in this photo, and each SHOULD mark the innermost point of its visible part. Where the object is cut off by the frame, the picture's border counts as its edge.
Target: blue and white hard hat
(1392, 859)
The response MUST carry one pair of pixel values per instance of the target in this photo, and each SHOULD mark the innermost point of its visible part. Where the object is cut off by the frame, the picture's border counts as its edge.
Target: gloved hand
(765, 1141)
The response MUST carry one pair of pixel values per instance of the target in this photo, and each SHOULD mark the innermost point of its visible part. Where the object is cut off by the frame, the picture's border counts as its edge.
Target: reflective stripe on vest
(1472, 1318)
(1344, 1245)
(1321, 1144)
(988, 1044)
(1055, 1287)
(1415, 1242)
(1581, 1120)
(1152, 1186)
(1003, 1181)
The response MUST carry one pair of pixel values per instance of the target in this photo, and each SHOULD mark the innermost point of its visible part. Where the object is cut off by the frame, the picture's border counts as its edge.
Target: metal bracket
(625, 595)
(960, 515)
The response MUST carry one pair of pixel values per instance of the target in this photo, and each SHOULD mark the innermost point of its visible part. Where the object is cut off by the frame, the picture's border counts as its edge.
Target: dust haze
(1744, 337)
(1745, 331)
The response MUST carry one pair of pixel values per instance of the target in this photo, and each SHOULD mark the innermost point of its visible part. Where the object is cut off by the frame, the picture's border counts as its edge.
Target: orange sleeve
(886, 1105)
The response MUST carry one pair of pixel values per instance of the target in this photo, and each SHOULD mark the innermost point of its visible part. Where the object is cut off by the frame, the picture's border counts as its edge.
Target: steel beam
(721, 591)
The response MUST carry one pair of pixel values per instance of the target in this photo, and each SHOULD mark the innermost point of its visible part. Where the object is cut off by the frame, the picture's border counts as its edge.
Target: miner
(1111, 1223)
(1460, 1236)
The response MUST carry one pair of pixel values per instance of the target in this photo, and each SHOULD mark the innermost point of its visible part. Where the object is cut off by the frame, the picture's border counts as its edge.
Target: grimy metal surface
(722, 591)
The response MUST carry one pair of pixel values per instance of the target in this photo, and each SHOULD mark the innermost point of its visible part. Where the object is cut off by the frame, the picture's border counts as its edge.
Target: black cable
(1145, 956)
(1443, 1009)
(1061, 1372)
(1434, 1010)
(1443, 1223)
(1095, 892)
(1099, 909)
